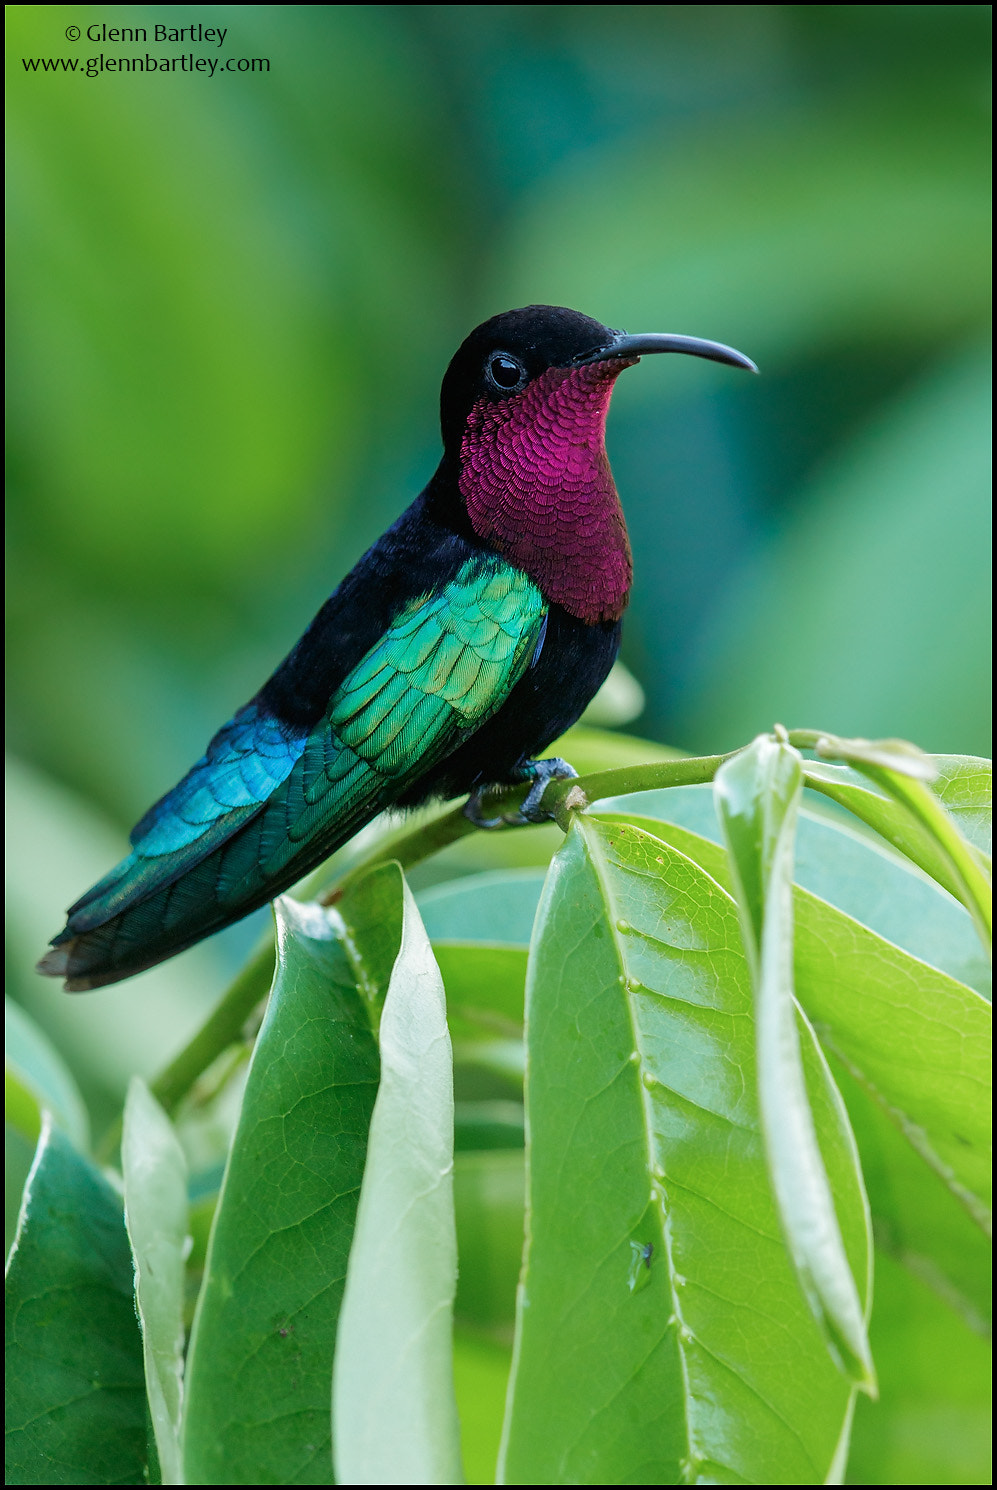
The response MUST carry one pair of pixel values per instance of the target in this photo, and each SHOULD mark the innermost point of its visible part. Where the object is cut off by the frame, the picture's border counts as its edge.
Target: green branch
(223, 1027)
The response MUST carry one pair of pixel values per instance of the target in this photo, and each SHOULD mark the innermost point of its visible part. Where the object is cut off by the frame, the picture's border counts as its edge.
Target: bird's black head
(523, 409)
(503, 355)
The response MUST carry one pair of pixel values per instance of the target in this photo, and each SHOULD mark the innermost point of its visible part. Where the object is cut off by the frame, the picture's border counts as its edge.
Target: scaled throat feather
(536, 480)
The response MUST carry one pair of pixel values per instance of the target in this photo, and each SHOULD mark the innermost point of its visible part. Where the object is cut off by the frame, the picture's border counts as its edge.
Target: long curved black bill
(663, 341)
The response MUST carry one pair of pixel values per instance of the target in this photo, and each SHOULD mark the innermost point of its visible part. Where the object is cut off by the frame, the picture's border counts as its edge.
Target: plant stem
(804, 739)
(222, 1028)
(691, 770)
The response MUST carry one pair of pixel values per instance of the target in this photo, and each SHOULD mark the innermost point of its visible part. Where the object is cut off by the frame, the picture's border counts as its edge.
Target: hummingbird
(467, 639)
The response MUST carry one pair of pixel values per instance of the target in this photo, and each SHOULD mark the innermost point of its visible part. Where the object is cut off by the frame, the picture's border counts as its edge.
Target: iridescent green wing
(445, 666)
(240, 829)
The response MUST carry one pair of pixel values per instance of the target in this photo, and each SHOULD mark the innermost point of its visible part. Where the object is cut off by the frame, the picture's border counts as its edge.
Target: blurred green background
(233, 297)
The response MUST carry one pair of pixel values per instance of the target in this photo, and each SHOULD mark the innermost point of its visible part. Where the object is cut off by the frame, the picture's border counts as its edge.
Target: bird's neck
(536, 483)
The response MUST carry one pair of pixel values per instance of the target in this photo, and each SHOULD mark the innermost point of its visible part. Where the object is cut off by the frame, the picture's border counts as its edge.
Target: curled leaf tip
(895, 755)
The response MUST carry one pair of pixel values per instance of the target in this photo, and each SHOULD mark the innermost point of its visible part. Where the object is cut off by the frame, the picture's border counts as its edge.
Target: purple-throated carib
(470, 636)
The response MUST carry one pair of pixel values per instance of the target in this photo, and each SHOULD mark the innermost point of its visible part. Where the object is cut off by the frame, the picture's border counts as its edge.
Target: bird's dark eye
(505, 372)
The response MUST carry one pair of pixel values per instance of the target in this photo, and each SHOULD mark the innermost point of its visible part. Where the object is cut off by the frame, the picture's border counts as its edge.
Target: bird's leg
(539, 773)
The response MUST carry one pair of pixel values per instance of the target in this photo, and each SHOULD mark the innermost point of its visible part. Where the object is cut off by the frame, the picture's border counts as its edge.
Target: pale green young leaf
(901, 777)
(965, 784)
(757, 795)
(393, 1407)
(884, 814)
(371, 912)
(155, 1176)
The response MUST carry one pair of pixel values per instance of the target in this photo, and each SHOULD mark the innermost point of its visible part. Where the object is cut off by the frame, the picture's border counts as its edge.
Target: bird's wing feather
(444, 667)
(244, 764)
(265, 798)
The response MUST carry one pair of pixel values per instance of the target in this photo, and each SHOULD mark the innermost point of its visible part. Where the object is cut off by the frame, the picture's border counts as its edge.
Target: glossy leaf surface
(919, 1041)
(757, 796)
(661, 1334)
(260, 1361)
(851, 869)
(76, 1412)
(915, 1047)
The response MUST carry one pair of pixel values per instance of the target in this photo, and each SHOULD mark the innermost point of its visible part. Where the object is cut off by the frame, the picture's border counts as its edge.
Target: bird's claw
(472, 811)
(543, 772)
(540, 774)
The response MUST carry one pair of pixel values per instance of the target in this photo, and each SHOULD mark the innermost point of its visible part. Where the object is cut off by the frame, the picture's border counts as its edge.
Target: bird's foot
(539, 774)
(474, 814)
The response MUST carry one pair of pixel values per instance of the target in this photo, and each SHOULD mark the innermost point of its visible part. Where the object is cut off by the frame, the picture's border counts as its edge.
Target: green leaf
(393, 1406)
(898, 756)
(917, 1045)
(961, 866)
(155, 1175)
(850, 868)
(917, 1219)
(371, 909)
(76, 1412)
(965, 785)
(757, 795)
(919, 1042)
(37, 1077)
(485, 987)
(643, 1129)
(260, 1357)
(885, 815)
